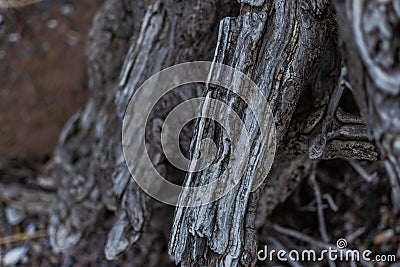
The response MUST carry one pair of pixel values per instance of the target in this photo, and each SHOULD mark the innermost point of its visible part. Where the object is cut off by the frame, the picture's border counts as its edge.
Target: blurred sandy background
(42, 73)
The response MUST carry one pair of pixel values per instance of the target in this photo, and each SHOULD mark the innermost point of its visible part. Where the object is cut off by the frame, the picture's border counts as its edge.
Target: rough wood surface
(77, 165)
(33, 200)
(290, 48)
(89, 163)
(281, 58)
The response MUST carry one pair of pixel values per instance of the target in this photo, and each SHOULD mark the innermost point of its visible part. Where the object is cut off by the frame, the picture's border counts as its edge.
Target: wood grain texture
(281, 58)
(290, 49)
(88, 162)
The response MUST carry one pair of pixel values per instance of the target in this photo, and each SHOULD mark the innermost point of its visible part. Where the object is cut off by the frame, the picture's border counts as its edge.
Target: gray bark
(291, 49)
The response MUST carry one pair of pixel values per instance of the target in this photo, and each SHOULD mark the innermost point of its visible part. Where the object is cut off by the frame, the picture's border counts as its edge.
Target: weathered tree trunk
(290, 49)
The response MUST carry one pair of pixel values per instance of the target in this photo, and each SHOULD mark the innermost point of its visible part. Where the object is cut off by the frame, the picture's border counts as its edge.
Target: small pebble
(31, 228)
(14, 256)
(14, 216)
(67, 10)
(52, 24)
(14, 37)
(72, 41)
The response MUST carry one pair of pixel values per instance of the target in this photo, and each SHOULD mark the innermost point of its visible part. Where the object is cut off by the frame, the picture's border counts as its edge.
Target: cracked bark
(290, 48)
(274, 55)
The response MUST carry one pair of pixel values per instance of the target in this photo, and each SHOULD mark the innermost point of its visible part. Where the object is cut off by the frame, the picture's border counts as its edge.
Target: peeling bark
(290, 48)
(99, 178)
(274, 55)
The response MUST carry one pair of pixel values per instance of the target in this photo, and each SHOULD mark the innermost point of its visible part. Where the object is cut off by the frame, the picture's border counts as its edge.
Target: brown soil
(42, 73)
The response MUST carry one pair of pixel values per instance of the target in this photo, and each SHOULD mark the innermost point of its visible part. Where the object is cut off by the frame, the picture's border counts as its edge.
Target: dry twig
(17, 3)
(22, 237)
(320, 210)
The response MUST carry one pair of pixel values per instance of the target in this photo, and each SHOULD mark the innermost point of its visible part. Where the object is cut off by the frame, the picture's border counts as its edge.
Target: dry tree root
(290, 49)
